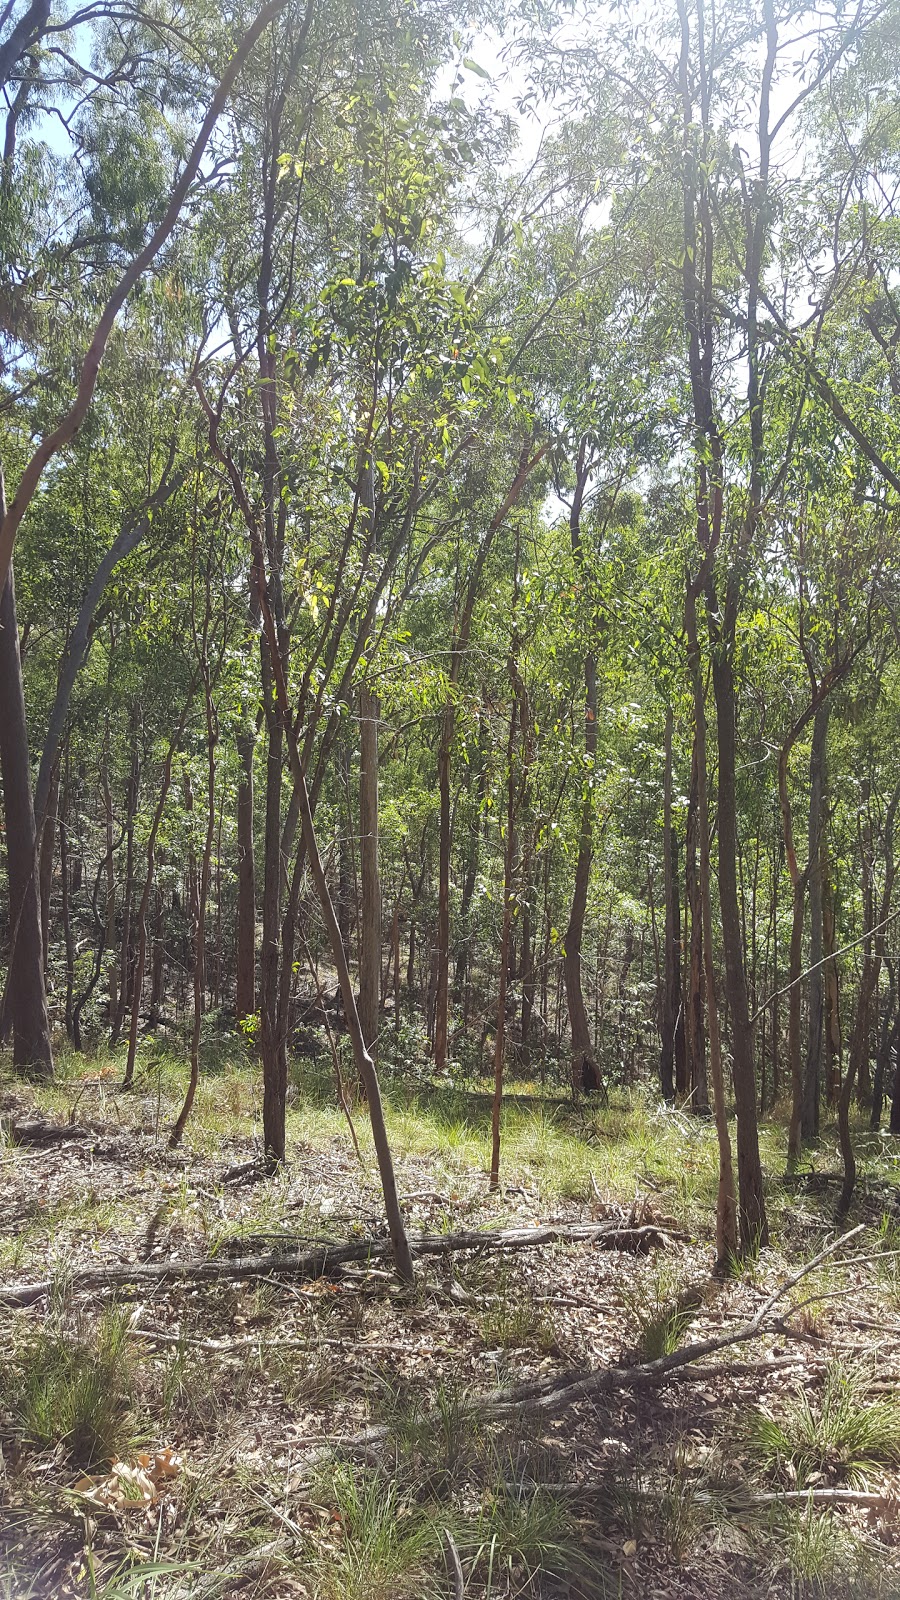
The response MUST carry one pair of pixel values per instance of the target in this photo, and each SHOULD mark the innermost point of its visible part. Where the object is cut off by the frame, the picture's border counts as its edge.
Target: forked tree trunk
(24, 1008)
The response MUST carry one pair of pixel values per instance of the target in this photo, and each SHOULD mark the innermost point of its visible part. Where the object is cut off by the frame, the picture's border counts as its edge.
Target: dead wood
(325, 1258)
(43, 1133)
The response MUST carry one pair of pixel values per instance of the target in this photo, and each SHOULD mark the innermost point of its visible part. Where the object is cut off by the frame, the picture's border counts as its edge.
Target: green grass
(516, 1320)
(837, 1436)
(73, 1389)
(380, 1546)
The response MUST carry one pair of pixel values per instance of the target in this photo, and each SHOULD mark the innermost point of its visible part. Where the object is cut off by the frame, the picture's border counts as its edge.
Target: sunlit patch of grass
(381, 1546)
(836, 1436)
(74, 1388)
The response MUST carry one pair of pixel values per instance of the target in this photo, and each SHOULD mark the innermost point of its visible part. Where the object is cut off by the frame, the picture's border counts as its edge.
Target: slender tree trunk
(212, 737)
(873, 953)
(245, 995)
(885, 1047)
(695, 996)
(812, 1081)
(671, 1019)
(726, 1213)
(24, 1007)
(138, 984)
(65, 886)
(274, 1079)
(125, 963)
(833, 1036)
(48, 829)
(753, 1222)
(508, 858)
(370, 885)
(158, 960)
(448, 723)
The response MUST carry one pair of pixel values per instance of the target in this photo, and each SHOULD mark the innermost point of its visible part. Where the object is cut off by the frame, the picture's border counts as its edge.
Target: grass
(661, 1310)
(378, 1546)
(516, 1320)
(73, 1389)
(838, 1437)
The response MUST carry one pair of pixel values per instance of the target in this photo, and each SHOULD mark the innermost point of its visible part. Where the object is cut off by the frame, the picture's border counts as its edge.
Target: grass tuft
(838, 1437)
(73, 1390)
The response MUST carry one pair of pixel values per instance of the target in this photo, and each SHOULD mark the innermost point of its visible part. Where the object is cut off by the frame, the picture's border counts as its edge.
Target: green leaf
(472, 66)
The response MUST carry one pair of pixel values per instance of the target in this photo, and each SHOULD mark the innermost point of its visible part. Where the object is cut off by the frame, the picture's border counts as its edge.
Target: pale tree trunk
(812, 1079)
(24, 1009)
(508, 858)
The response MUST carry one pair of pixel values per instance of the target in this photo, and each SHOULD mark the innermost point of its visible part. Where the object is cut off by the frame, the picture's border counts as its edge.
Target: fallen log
(325, 1258)
(37, 1132)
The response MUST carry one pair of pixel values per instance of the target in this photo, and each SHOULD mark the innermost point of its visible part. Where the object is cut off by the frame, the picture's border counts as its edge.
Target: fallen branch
(44, 1133)
(554, 1394)
(327, 1258)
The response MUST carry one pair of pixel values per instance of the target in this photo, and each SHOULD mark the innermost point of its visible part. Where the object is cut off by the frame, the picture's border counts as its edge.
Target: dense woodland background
(450, 642)
(520, 464)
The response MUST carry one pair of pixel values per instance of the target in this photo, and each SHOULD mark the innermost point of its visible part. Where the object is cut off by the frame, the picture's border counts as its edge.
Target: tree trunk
(508, 858)
(812, 1080)
(585, 1072)
(694, 1006)
(24, 1007)
(726, 1214)
(833, 1036)
(672, 1053)
(274, 1081)
(48, 830)
(370, 886)
(245, 994)
(754, 1226)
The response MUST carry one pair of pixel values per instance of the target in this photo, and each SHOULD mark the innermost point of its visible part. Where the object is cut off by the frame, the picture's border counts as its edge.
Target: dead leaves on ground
(131, 1486)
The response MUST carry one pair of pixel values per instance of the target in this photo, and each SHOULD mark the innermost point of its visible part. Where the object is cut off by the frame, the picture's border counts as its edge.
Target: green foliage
(838, 1435)
(74, 1388)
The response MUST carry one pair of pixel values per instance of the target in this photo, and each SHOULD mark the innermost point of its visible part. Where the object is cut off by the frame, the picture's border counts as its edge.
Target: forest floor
(338, 1438)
